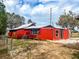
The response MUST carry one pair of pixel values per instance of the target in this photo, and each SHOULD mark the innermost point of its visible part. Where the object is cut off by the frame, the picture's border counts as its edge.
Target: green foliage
(30, 21)
(3, 19)
(68, 21)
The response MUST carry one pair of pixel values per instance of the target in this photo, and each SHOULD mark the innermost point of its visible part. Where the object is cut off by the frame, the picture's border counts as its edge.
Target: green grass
(21, 43)
(17, 42)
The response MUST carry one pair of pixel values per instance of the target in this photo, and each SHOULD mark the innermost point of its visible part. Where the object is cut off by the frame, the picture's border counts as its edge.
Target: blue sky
(39, 10)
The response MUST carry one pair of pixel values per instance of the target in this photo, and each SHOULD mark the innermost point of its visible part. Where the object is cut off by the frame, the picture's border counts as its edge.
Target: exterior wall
(45, 34)
(10, 34)
(21, 33)
(56, 34)
(13, 35)
(53, 34)
(66, 34)
(32, 36)
(34, 33)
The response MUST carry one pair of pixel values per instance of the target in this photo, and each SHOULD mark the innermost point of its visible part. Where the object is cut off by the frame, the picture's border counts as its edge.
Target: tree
(68, 21)
(15, 20)
(3, 19)
(77, 20)
(30, 21)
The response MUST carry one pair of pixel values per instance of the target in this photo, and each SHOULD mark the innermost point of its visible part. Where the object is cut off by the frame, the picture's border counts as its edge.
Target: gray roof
(32, 27)
(28, 26)
(22, 26)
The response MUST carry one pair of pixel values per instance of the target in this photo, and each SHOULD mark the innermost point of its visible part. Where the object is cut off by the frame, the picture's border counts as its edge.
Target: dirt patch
(42, 50)
(4, 54)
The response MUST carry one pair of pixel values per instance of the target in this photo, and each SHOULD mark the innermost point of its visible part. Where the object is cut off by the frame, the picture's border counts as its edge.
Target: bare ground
(34, 49)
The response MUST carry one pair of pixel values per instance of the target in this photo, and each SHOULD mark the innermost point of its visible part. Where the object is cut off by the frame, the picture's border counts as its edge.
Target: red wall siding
(50, 34)
(65, 34)
(54, 34)
(13, 35)
(20, 33)
(10, 34)
(45, 34)
(32, 36)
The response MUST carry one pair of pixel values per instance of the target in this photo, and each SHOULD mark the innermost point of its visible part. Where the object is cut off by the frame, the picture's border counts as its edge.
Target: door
(61, 33)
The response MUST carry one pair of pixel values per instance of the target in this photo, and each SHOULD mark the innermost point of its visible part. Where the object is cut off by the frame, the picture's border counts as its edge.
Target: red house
(39, 32)
(53, 34)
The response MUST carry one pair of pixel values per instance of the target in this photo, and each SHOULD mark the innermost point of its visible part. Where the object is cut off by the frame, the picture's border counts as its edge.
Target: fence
(75, 35)
(5, 42)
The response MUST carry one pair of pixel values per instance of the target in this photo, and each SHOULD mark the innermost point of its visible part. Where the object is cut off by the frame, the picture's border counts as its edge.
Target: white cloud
(76, 10)
(76, 1)
(41, 11)
(44, 10)
(11, 2)
(10, 5)
(67, 8)
(44, 1)
(25, 9)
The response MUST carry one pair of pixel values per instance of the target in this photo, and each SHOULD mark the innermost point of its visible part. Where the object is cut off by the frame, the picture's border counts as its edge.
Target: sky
(39, 10)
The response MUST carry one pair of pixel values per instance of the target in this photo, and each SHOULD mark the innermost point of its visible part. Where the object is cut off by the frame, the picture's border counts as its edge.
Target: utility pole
(50, 16)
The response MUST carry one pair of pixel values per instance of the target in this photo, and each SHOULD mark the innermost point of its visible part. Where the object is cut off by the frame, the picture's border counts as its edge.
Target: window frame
(57, 33)
(35, 31)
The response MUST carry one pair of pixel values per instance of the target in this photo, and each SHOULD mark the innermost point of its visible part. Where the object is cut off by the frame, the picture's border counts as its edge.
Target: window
(56, 33)
(34, 31)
